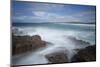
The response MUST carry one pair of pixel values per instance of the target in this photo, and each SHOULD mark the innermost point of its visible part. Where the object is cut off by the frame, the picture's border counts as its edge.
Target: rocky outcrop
(57, 57)
(85, 55)
(78, 41)
(21, 44)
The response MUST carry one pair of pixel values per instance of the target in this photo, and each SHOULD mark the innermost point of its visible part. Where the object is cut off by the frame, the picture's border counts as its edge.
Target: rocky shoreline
(22, 44)
(83, 55)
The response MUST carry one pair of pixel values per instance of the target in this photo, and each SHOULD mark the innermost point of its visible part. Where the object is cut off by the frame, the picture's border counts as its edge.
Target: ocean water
(60, 37)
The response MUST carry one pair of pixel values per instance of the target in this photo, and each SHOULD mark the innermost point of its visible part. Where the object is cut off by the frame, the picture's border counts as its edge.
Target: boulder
(21, 44)
(85, 55)
(57, 57)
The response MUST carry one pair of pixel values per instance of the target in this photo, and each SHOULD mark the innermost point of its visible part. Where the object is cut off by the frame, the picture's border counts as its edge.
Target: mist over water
(60, 37)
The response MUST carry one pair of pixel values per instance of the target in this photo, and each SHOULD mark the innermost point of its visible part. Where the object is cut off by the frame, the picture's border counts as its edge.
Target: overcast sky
(32, 12)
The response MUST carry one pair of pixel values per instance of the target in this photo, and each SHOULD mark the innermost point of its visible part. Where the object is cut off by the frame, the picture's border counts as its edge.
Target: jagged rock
(86, 54)
(57, 57)
(21, 44)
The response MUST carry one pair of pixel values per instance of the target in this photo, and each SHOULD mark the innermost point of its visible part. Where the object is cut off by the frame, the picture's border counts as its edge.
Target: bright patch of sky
(34, 12)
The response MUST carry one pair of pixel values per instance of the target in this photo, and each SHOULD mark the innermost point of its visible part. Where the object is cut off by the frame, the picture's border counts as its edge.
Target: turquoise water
(79, 29)
(63, 26)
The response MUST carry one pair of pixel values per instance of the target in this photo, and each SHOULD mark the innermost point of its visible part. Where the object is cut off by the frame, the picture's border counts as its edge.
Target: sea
(60, 36)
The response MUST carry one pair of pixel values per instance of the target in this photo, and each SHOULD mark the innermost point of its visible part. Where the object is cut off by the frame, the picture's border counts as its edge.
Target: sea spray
(58, 39)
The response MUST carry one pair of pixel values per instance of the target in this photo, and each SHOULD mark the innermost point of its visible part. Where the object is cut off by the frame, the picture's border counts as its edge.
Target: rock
(57, 57)
(21, 44)
(17, 31)
(79, 44)
(86, 54)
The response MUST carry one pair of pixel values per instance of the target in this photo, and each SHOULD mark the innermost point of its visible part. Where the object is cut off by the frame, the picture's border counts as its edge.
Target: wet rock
(17, 31)
(57, 57)
(77, 41)
(86, 54)
(79, 44)
(21, 44)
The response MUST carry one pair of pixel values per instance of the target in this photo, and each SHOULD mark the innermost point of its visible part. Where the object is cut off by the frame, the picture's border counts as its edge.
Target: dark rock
(79, 43)
(21, 44)
(17, 31)
(57, 57)
(86, 54)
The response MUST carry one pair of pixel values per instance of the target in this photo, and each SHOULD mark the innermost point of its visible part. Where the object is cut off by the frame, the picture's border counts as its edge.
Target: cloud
(45, 12)
(39, 13)
(46, 7)
(52, 17)
(41, 16)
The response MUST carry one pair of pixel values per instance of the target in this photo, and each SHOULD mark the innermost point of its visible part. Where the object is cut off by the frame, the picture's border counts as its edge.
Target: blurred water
(56, 33)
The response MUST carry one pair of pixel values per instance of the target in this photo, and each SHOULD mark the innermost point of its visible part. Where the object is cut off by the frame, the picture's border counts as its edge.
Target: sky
(35, 12)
